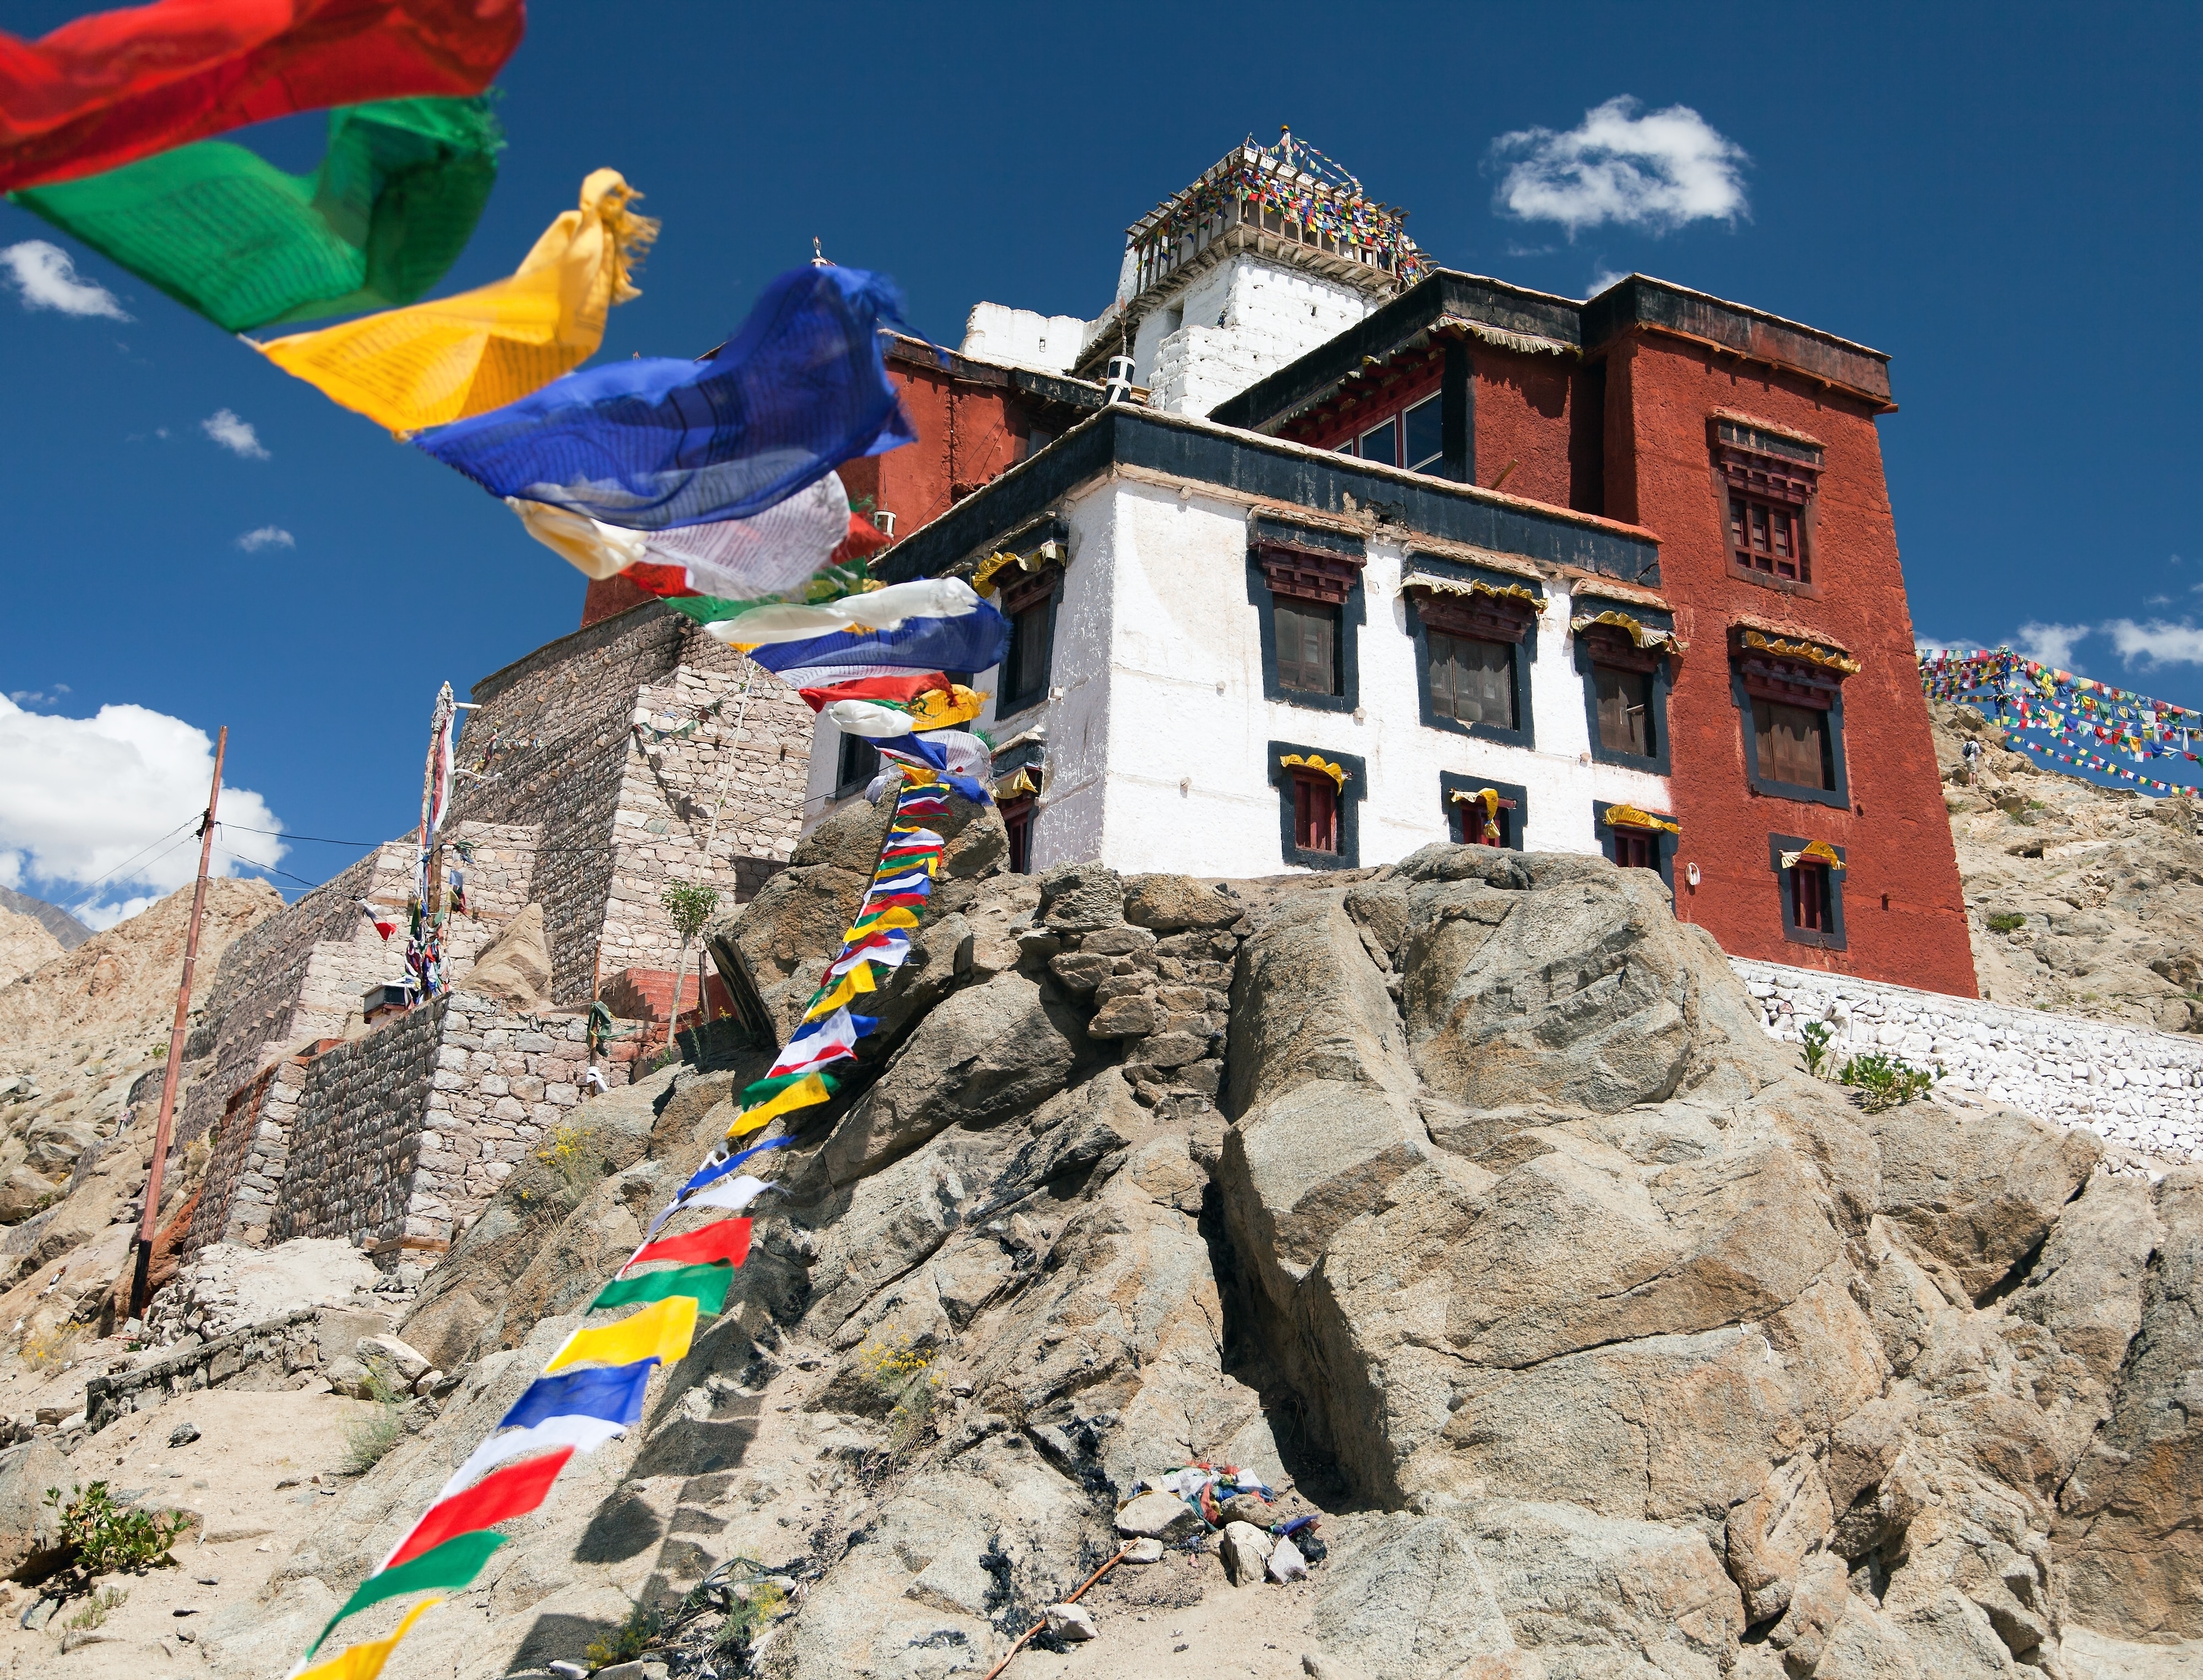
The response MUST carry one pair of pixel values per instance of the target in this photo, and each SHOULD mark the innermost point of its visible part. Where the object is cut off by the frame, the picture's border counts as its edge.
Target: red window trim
(1490, 618)
(1308, 574)
(1318, 787)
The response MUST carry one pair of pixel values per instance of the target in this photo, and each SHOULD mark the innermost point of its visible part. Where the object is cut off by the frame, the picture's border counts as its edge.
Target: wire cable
(142, 850)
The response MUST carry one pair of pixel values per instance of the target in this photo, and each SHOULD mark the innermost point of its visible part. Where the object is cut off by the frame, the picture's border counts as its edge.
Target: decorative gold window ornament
(983, 575)
(1018, 785)
(1804, 652)
(1819, 851)
(1315, 761)
(1628, 816)
(1488, 798)
(1450, 585)
(1639, 633)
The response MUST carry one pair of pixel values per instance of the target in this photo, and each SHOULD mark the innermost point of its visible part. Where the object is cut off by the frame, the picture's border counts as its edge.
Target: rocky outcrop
(1463, 1202)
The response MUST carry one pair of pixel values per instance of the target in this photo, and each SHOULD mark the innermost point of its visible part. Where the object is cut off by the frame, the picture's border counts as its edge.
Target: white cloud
(87, 794)
(1659, 171)
(1605, 278)
(47, 277)
(267, 536)
(2051, 644)
(2156, 643)
(235, 435)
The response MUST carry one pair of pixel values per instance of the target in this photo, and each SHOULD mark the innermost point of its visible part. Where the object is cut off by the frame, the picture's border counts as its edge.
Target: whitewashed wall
(1024, 336)
(2131, 1085)
(1234, 325)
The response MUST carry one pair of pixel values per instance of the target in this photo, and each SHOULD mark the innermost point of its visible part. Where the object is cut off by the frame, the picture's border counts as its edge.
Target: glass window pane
(1425, 427)
(1378, 445)
(1625, 710)
(1473, 681)
(1306, 640)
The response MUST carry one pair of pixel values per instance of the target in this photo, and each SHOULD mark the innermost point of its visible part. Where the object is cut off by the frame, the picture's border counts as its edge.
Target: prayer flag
(365, 1660)
(451, 1567)
(742, 564)
(582, 1434)
(874, 610)
(662, 1332)
(971, 641)
(657, 442)
(714, 1168)
(809, 1090)
(228, 234)
(845, 991)
(452, 356)
(830, 1041)
(103, 90)
(614, 1395)
(772, 1086)
(725, 1240)
(498, 1498)
(902, 687)
(872, 950)
(707, 1285)
(733, 1194)
(876, 922)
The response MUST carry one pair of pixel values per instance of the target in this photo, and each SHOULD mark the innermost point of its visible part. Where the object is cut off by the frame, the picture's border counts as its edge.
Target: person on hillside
(1972, 754)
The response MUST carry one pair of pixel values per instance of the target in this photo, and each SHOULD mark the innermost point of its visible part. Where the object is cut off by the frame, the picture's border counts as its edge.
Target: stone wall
(2129, 1085)
(358, 1134)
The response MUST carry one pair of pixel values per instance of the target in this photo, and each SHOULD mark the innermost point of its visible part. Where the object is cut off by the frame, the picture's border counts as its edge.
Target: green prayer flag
(226, 232)
(449, 1566)
(765, 1090)
(707, 1283)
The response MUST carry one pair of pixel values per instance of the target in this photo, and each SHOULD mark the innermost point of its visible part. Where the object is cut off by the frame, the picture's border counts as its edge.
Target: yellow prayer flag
(444, 360)
(897, 917)
(938, 708)
(858, 981)
(804, 1093)
(365, 1660)
(659, 1332)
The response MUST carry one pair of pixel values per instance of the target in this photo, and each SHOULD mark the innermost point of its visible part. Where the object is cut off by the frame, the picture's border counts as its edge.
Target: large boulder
(31, 1545)
(515, 967)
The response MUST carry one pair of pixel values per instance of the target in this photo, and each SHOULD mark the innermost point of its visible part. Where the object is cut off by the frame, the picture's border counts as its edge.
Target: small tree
(690, 906)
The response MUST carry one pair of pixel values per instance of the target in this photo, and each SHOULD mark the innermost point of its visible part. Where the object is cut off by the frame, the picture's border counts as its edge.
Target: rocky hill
(25, 945)
(1462, 1203)
(2082, 899)
(68, 933)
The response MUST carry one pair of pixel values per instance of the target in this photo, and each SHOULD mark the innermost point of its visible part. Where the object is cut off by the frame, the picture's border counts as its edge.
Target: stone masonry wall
(2129, 1085)
(358, 1134)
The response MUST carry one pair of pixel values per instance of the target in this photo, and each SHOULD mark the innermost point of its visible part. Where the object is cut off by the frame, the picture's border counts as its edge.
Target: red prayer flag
(863, 541)
(512, 1492)
(107, 89)
(664, 582)
(874, 688)
(726, 1240)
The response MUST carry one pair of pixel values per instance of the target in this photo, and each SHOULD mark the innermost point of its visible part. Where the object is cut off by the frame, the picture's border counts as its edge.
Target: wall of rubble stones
(2129, 1085)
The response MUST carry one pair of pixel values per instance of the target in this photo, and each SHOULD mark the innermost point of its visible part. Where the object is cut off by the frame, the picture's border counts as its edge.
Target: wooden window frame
(1347, 802)
(1473, 618)
(1662, 842)
(849, 779)
(1609, 646)
(1280, 569)
(1035, 591)
(1830, 938)
(1754, 676)
(1780, 475)
(1017, 820)
(1514, 806)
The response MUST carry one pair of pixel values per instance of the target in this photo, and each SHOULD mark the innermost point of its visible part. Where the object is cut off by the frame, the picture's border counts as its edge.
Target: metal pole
(150, 1219)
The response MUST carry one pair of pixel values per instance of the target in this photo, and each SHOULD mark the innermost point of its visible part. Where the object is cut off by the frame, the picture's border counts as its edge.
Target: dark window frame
(852, 778)
(1604, 644)
(1836, 939)
(1525, 734)
(1757, 466)
(1017, 816)
(1349, 797)
(1664, 842)
(1040, 592)
(1740, 693)
(1311, 566)
(1512, 821)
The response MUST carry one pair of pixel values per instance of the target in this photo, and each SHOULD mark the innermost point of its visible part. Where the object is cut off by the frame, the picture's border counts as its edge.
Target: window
(1018, 819)
(858, 762)
(1030, 606)
(1766, 538)
(1637, 839)
(1318, 799)
(1315, 812)
(1808, 876)
(1636, 851)
(1625, 711)
(1307, 646)
(1471, 681)
(1423, 431)
(1793, 745)
(1380, 444)
(1768, 479)
(1306, 587)
(1461, 799)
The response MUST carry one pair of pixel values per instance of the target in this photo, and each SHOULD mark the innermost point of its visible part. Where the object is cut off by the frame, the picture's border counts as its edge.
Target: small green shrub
(1816, 1035)
(2006, 921)
(690, 906)
(1884, 1083)
(643, 1630)
(102, 1605)
(749, 1608)
(370, 1438)
(101, 1537)
(903, 1376)
(575, 1153)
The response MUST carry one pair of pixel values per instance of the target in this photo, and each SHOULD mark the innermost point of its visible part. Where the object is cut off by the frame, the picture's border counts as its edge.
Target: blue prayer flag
(656, 443)
(614, 1395)
(972, 641)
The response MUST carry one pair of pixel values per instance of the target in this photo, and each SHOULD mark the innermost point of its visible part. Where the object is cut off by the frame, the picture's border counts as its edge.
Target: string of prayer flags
(365, 1660)
(736, 562)
(103, 91)
(974, 640)
(657, 442)
(451, 357)
(498, 1497)
(2032, 698)
(226, 233)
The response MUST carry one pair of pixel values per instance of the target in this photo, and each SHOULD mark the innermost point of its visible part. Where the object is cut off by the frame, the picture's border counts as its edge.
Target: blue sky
(2004, 199)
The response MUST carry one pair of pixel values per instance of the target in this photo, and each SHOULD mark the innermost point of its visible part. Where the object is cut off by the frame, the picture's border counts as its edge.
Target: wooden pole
(149, 1220)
